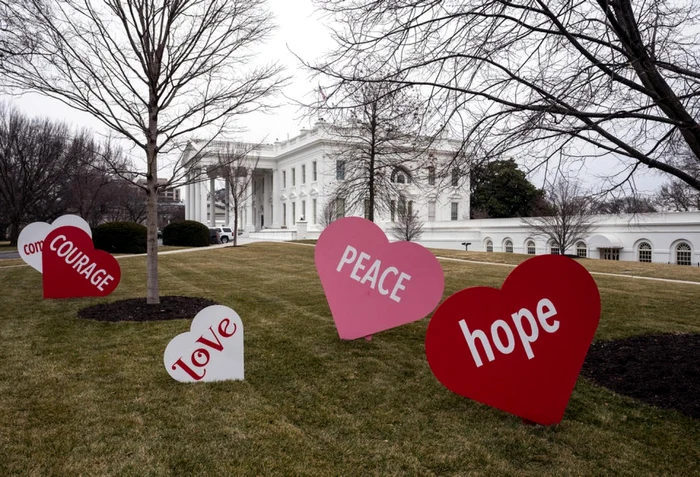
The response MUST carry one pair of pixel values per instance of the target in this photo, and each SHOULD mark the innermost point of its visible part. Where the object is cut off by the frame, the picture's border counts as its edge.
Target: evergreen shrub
(186, 233)
(120, 237)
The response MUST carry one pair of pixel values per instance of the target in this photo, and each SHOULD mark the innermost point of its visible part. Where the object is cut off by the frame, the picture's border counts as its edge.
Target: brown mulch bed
(661, 370)
(136, 309)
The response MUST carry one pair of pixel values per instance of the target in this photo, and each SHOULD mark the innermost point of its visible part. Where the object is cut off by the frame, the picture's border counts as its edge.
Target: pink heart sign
(373, 285)
(519, 349)
(72, 268)
(211, 351)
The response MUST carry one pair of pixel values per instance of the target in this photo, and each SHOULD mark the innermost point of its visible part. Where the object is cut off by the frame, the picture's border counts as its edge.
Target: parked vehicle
(214, 236)
(225, 233)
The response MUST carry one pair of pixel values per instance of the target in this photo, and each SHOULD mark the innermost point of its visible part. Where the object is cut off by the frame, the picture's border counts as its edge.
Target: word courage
(81, 262)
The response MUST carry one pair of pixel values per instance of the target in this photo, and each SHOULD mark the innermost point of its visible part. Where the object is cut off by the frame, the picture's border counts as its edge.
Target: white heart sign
(30, 242)
(211, 351)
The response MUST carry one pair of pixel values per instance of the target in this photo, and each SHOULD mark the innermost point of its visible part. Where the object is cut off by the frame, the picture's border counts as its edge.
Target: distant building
(294, 177)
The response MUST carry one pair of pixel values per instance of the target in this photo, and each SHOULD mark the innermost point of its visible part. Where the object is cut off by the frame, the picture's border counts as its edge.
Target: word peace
(200, 357)
(73, 256)
(545, 311)
(372, 274)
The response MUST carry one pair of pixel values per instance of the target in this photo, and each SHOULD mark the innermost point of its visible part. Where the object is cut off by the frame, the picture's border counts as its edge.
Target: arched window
(644, 252)
(581, 249)
(489, 246)
(683, 251)
(508, 245)
(554, 249)
(530, 245)
(400, 176)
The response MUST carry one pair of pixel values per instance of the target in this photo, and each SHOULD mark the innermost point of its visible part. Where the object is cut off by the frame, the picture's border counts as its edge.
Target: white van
(225, 233)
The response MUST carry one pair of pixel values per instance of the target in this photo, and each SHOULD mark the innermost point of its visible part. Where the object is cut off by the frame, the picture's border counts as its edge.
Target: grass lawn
(93, 398)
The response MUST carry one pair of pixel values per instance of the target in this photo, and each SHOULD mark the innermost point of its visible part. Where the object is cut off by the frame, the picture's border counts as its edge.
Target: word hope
(372, 274)
(200, 357)
(545, 311)
(81, 262)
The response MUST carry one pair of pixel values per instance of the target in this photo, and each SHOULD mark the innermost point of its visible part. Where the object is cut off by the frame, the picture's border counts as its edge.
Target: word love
(211, 351)
(72, 267)
(372, 275)
(373, 285)
(545, 311)
(519, 349)
(30, 243)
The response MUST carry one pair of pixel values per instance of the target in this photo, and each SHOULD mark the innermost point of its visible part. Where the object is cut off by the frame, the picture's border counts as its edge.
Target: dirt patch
(136, 309)
(661, 370)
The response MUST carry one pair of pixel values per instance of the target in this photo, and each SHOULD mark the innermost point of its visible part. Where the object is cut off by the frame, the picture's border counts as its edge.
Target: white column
(188, 196)
(249, 212)
(212, 202)
(197, 202)
(276, 203)
(202, 202)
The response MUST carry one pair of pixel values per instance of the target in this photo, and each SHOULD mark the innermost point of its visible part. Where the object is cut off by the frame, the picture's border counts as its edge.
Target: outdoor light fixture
(466, 246)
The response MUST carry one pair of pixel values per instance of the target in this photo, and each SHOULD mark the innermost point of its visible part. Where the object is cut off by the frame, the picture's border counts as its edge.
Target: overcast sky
(300, 30)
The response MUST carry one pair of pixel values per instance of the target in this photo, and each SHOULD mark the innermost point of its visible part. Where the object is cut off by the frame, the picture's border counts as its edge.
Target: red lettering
(197, 354)
(217, 346)
(188, 370)
(222, 328)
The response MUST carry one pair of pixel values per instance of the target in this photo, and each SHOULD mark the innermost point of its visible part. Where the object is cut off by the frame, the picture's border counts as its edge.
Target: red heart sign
(73, 268)
(519, 349)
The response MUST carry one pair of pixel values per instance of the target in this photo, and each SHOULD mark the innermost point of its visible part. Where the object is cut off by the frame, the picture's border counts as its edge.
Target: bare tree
(34, 159)
(237, 163)
(629, 204)
(408, 226)
(154, 72)
(539, 79)
(571, 219)
(380, 150)
(330, 213)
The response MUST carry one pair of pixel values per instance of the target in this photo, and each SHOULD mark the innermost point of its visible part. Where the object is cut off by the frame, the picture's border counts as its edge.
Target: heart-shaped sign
(211, 351)
(73, 268)
(373, 285)
(30, 242)
(519, 349)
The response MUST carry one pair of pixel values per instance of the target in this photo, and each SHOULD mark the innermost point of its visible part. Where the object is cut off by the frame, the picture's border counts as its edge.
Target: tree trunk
(152, 291)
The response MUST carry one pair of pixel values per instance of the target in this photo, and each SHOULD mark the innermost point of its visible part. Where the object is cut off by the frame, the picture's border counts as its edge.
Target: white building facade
(293, 181)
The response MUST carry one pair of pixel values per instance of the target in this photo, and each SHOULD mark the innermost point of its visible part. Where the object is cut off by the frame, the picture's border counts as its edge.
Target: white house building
(293, 180)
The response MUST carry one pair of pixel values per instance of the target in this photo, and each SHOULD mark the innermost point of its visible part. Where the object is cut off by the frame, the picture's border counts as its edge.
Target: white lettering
(542, 315)
(104, 282)
(348, 257)
(505, 349)
(56, 239)
(358, 266)
(399, 286)
(526, 339)
(476, 335)
(393, 270)
(372, 274)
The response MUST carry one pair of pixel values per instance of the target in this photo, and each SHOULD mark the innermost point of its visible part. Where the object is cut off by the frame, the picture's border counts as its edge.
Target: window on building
(340, 170)
(644, 252)
(455, 177)
(489, 246)
(294, 176)
(303, 173)
(313, 210)
(683, 254)
(610, 253)
(314, 172)
(431, 211)
(454, 212)
(554, 249)
(284, 214)
(410, 208)
(402, 206)
(284, 179)
(530, 245)
(367, 208)
(581, 249)
(508, 246)
(339, 208)
(392, 210)
(303, 209)
(400, 176)
(431, 175)
(294, 212)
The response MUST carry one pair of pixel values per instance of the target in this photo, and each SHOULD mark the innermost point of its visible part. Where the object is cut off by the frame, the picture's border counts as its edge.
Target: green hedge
(186, 233)
(120, 237)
